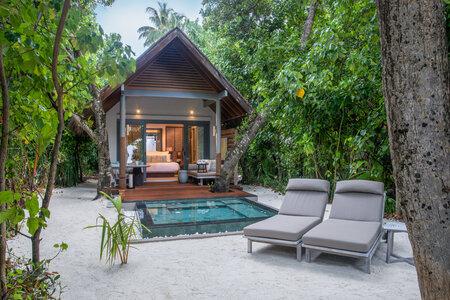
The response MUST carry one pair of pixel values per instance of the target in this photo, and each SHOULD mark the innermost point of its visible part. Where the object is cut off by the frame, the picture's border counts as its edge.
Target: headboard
(158, 156)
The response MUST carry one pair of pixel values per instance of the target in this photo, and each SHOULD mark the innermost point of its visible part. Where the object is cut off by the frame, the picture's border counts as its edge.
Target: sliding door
(197, 144)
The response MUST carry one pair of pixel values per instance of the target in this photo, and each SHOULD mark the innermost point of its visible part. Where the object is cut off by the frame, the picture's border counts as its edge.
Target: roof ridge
(142, 56)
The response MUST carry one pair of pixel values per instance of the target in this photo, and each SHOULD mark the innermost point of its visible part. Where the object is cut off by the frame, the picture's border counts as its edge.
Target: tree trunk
(78, 160)
(3, 157)
(100, 138)
(36, 240)
(307, 28)
(222, 183)
(104, 162)
(416, 91)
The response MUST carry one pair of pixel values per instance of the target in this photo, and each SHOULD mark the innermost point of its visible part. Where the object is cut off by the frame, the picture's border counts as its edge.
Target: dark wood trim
(123, 169)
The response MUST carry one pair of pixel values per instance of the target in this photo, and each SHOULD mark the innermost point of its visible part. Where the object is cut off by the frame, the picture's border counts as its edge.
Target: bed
(159, 164)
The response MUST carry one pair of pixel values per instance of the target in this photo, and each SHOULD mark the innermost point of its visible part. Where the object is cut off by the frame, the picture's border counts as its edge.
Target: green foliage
(162, 20)
(389, 206)
(338, 130)
(24, 206)
(87, 57)
(116, 237)
(27, 281)
(78, 159)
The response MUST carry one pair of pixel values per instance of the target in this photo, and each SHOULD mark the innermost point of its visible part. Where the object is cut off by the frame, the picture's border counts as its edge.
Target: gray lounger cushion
(360, 186)
(359, 200)
(305, 184)
(348, 235)
(305, 197)
(282, 227)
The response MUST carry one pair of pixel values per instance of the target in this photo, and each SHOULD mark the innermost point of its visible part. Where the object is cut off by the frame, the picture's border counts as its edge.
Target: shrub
(389, 206)
(116, 237)
(28, 281)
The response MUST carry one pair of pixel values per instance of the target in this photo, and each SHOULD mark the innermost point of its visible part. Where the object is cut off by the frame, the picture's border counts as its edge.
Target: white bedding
(163, 167)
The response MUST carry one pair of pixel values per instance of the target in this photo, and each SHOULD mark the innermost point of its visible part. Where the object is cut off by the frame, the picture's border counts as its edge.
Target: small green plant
(26, 280)
(389, 206)
(116, 237)
(210, 186)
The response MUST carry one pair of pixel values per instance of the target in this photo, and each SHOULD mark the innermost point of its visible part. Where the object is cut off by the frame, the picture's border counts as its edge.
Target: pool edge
(184, 237)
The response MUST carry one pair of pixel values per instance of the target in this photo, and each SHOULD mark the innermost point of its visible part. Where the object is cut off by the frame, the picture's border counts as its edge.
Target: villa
(176, 116)
(174, 110)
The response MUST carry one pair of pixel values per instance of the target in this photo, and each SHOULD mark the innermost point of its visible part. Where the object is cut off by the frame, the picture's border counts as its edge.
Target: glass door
(197, 145)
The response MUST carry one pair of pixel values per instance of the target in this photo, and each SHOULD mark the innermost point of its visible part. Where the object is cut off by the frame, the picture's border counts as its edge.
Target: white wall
(159, 109)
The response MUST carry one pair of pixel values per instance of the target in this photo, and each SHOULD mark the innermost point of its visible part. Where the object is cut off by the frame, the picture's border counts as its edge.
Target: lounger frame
(367, 256)
(294, 244)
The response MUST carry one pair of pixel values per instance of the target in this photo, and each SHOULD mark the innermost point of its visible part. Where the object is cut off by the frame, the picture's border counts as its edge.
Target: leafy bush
(338, 130)
(78, 159)
(389, 206)
(27, 281)
(21, 207)
(116, 237)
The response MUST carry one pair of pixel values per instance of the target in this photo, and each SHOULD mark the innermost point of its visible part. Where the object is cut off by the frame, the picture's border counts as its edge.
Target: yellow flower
(300, 93)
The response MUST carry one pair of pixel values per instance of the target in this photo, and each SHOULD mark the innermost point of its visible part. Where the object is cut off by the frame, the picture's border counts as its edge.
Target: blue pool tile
(184, 217)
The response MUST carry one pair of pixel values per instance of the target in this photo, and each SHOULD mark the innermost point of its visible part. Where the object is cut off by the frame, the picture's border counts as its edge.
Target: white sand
(216, 267)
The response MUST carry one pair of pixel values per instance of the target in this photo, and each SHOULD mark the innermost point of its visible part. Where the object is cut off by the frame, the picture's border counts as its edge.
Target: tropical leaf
(115, 237)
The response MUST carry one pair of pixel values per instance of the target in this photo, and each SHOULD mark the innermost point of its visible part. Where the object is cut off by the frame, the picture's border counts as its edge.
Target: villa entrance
(166, 147)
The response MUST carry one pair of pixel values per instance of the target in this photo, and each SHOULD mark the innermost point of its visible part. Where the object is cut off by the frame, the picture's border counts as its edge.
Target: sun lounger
(302, 209)
(355, 225)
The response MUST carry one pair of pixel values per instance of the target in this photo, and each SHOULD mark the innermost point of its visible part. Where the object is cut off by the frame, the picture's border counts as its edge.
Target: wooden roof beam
(208, 103)
(175, 94)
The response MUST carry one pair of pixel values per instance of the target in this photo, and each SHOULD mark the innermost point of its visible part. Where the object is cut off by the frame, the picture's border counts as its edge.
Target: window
(153, 139)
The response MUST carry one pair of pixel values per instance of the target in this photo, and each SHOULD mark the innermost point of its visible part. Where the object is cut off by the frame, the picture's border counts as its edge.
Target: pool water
(185, 217)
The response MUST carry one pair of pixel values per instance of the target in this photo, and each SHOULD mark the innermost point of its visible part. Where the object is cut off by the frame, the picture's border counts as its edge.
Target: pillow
(158, 156)
(156, 159)
(360, 186)
(303, 184)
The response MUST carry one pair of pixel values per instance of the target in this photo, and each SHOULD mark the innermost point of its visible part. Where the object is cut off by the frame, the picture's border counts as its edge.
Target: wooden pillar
(186, 150)
(123, 141)
(218, 137)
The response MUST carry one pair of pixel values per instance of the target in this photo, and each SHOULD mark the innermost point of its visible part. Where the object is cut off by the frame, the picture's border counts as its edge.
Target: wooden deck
(174, 190)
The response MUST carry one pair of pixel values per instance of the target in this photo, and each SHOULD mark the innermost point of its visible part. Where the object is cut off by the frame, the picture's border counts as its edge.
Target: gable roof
(174, 63)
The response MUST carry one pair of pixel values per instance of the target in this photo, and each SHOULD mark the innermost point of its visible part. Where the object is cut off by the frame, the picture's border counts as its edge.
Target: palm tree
(161, 20)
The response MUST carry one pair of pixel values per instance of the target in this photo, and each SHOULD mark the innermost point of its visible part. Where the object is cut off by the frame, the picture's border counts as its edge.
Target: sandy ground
(216, 267)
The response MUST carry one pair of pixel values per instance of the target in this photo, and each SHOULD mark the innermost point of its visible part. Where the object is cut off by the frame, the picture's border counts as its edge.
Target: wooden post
(218, 138)
(123, 141)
